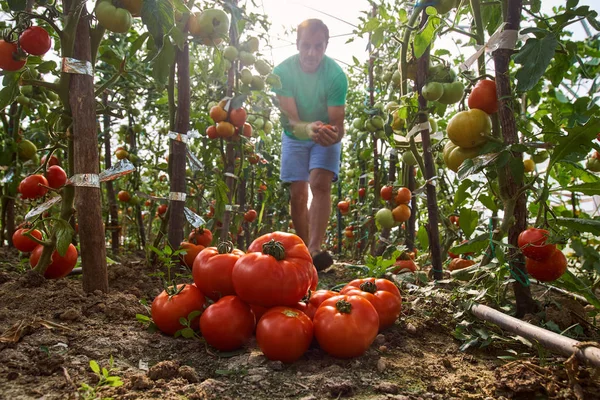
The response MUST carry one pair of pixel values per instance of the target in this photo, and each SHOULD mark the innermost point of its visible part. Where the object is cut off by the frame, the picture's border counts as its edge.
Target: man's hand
(323, 134)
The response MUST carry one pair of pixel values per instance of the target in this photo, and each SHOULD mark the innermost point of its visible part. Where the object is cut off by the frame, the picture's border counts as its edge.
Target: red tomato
(35, 40)
(250, 215)
(23, 243)
(532, 243)
(386, 192)
(344, 207)
(168, 307)
(212, 270)
(258, 311)
(549, 269)
(382, 293)
(345, 326)
(56, 176)
(30, 187)
(60, 266)
(399, 265)
(201, 236)
(315, 279)
(284, 334)
(484, 97)
(315, 300)
(192, 250)
(124, 196)
(162, 209)
(227, 324)
(53, 160)
(277, 270)
(237, 116)
(362, 192)
(8, 62)
(459, 263)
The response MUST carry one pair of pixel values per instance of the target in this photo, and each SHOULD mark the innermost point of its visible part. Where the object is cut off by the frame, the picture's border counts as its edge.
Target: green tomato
(432, 91)
(453, 92)
(433, 124)
(441, 73)
(409, 158)
(540, 156)
(117, 20)
(385, 218)
(593, 164)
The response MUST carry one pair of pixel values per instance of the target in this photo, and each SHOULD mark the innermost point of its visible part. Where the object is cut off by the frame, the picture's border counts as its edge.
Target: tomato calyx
(307, 297)
(290, 313)
(225, 247)
(368, 286)
(275, 249)
(173, 290)
(343, 306)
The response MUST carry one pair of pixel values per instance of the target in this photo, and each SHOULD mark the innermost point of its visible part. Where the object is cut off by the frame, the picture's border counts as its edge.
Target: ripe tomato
(349, 233)
(468, 129)
(386, 192)
(212, 270)
(484, 97)
(454, 220)
(53, 160)
(250, 215)
(549, 269)
(201, 236)
(382, 293)
(124, 196)
(211, 132)
(59, 266)
(277, 270)
(315, 279)
(23, 243)
(459, 263)
(35, 40)
(344, 207)
(56, 176)
(284, 334)
(8, 62)
(399, 265)
(238, 116)
(192, 251)
(169, 306)
(217, 114)
(247, 132)
(345, 326)
(227, 324)
(362, 192)
(401, 213)
(162, 209)
(315, 300)
(532, 242)
(30, 189)
(403, 196)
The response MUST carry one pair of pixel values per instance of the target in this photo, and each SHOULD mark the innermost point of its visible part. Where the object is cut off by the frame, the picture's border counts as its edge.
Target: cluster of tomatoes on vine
(34, 40)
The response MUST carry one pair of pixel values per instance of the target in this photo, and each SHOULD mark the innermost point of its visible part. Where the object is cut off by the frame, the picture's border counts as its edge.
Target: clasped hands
(323, 134)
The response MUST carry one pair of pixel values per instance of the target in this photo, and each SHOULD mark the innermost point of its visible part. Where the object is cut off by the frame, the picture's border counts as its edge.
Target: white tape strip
(177, 196)
(85, 180)
(179, 137)
(229, 174)
(501, 39)
(74, 66)
(423, 126)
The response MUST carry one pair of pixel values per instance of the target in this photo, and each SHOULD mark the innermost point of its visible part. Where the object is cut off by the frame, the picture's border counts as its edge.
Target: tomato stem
(368, 286)
(274, 248)
(225, 247)
(343, 306)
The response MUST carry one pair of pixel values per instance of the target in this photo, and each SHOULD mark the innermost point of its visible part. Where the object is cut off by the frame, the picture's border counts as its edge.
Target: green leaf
(94, 366)
(488, 201)
(163, 62)
(46, 67)
(578, 141)
(581, 225)
(10, 91)
(187, 333)
(589, 189)
(534, 56)
(461, 193)
(17, 5)
(64, 234)
(159, 18)
(517, 169)
(475, 245)
(422, 236)
(572, 283)
(138, 43)
(468, 220)
(424, 37)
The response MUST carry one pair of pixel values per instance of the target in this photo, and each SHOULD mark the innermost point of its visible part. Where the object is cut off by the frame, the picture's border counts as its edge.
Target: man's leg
(320, 207)
(299, 208)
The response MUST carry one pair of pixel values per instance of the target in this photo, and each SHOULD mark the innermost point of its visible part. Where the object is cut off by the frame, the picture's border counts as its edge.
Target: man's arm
(336, 118)
(301, 129)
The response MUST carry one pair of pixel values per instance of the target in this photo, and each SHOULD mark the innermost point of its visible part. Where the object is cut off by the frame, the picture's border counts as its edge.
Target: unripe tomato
(468, 129)
(484, 96)
(593, 164)
(453, 92)
(454, 155)
(8, 62)
(23, 243)
(117, 20)
(528, 165)
(35, 40)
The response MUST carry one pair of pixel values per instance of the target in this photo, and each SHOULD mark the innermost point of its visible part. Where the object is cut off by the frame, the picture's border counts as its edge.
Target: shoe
(322, 260)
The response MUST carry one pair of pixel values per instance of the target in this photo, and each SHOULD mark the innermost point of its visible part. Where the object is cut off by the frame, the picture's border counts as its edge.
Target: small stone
(411, 329)
(379, 339)
(383, 349)
(381, 364)
(275, 365)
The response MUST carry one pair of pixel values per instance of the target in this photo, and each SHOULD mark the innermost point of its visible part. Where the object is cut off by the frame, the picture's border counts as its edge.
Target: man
(312, 101)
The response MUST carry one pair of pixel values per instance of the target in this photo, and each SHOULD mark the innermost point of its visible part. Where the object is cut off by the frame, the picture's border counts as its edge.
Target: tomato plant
(175, 303)
(277, 270)
(212, 270)
(22, 242)
(60, 266)
(345, 326)
(284, 334)
(227, 324)
(35, 40)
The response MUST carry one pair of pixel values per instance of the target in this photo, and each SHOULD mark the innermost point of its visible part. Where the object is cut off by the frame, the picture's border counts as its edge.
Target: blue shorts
(299, 157)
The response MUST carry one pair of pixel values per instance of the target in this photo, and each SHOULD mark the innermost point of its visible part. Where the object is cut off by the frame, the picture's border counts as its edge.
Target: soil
(51, 330)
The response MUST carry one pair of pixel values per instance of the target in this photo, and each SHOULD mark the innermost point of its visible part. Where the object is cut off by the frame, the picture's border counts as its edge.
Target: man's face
(311, 47)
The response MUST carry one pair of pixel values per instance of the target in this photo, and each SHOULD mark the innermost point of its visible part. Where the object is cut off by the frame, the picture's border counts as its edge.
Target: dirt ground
(50, 332)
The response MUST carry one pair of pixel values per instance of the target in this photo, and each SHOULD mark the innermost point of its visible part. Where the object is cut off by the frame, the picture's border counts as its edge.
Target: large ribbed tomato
(175, 303)
(469, 129)
(382, 293)
(284, 334)
(201, 236)
(484, 97)
(315, 300)
(454, 156)
(549, 269)
(532, 242)
(227, 324)
(276, 271)
(212, 270)
(345, 326)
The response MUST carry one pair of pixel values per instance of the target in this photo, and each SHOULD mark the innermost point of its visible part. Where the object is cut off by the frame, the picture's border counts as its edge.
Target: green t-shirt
(326, 87)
